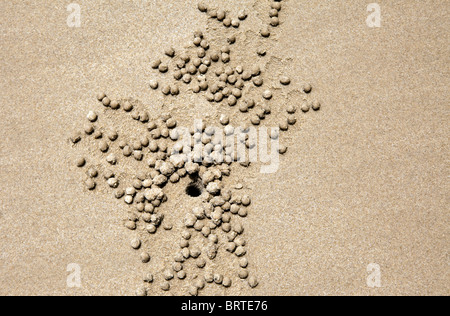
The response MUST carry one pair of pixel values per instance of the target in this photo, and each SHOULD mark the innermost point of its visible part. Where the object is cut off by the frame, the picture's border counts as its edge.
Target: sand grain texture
(365, 180)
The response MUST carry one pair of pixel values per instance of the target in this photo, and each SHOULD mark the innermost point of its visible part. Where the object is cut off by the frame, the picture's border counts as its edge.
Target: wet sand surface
(365, 179)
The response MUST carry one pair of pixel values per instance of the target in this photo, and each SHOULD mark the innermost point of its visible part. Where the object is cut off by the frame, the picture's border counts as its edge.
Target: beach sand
(365, 179)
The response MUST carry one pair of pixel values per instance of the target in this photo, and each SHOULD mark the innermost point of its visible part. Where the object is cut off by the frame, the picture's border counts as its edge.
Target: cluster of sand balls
(222, 16)
(145, 192)
(192, 66)
(275, 8)
(160, 152)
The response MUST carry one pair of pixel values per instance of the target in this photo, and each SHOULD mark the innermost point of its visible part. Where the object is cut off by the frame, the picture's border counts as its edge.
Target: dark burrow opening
(195, 188)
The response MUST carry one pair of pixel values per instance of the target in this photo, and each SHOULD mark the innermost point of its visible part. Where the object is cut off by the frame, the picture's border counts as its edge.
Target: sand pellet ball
(103, 146)
(291, 109)
(201, 263)
(170, 52)
(215, 56)
(167, 226)
(243, 274)
(80, 162)
(261, 51)
(177, 75)
(255, 120)
(246, 75)
(115, 105)
(181, 275)
(201, 52)
(240, 241)
(127, 106)
(305, 107)
(316, 106)
(186, 234)
(154, 84)
(165, 286)
(92, 173)
(242, 15)
(230, 247)
(231, 39)
(224, 119)
(203, 69)
(243, 263)
(148, 278)
(92, 116)
(75, 138)
(283, 149)
(136, 115)
(141, 292)
(185, 57)
(200, 284)
(166, 90)
(284, 126)
(221, 14)
(197, 41)
(127, 151)
(187, 78)
(307, 88)
(177, 267)
(131, 225)
(186, 253)
(145, 257)
(276, 5)
(212, 13)
(258, 81)
(119, 193)
(291, 120)
(246, 200)
(253, 282)
(285, 80)
(267, 94)
(184, 243)
(209, 277)
(151, 228)
(274, 21)
(136, 244)
(163, 68)
(89, 129)
(113, 182)
(155, 64)
(98, 134)
(256, 70)
(243, 212)
(218, 278)
(202, 7)
(101, 96)
(174, 90)
(111, 159)
(265, 31)
(204, 44)
(240, 251)
(225, 57)
(226, 282)
(90, 184)
(193, 290)
(106, 101)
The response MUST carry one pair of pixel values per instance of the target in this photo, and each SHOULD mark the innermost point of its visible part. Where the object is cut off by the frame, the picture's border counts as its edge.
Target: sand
(364, 180)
